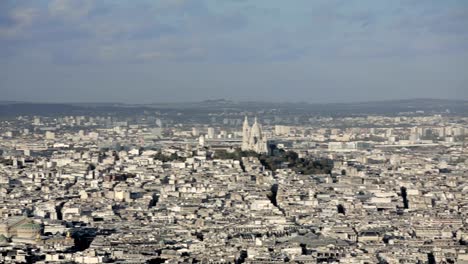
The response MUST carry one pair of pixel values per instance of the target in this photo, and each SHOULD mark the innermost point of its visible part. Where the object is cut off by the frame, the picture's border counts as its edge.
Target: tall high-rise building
(211, 133)
(201, 141)
(195, 132)
(282, 130)
(49, 135)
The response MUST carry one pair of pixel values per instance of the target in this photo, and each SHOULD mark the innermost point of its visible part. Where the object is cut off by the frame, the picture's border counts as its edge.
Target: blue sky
(141, 51)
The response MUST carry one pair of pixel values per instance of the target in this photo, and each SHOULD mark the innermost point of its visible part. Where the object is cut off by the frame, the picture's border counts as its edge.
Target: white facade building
(253, 138)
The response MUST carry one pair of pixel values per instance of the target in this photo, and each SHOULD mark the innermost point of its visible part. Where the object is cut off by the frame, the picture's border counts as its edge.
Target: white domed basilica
(253, 138)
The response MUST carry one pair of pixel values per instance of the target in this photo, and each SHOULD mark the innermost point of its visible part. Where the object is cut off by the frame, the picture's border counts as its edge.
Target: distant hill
(390, 107)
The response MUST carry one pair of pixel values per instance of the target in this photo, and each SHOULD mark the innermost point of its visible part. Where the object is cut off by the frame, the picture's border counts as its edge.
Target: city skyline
(233, 131)
(247, 183)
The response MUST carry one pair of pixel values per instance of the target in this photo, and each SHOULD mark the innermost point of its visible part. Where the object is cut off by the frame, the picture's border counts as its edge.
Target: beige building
(20, 228)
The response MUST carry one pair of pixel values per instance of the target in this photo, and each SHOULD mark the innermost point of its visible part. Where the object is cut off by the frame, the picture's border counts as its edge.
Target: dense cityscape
(225, 185)
(233, 132)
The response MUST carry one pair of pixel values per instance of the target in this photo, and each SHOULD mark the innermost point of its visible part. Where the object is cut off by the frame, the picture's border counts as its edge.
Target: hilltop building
(253, 138)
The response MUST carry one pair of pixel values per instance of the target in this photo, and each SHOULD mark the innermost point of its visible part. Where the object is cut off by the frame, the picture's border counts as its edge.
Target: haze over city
(233, 131)
(270, 50)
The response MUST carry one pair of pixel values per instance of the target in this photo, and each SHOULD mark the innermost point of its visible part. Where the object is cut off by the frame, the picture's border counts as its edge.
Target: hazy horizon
(234, 101)
(327, 51)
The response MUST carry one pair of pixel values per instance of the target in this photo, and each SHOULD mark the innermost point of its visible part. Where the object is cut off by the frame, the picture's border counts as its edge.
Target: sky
(142, 51)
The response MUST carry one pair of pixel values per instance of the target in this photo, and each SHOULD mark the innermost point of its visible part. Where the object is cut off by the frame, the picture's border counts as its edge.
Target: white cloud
(172, 3)
(70, 9)
(22, 19)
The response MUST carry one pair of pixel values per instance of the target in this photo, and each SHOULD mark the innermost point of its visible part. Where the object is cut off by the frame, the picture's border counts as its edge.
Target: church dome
(256, 129)
(253, 138)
